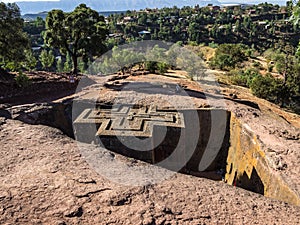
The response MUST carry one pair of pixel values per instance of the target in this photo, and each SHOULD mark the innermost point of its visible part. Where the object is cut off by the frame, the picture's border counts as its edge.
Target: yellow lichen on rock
(248, 168)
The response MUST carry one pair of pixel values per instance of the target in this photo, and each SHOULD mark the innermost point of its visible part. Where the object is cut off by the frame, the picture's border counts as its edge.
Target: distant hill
(274, 2)
(108, 5)
(43, 15)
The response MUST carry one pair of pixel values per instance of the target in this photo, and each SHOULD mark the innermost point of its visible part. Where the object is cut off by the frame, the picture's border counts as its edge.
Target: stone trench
(219, 147)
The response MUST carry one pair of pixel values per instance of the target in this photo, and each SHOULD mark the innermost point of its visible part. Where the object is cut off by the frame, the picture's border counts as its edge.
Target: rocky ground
(45, 86)
(45, 178)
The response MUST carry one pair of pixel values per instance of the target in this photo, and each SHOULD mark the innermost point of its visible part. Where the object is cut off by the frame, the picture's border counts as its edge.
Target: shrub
(221, 61)
(249, 52)
(257, 64)
(269, 53)
(213, 45)
(228, 56)
(47, 59)
(59, 65)
(239, 80)
(270, 67)
(22, 80)
(162, 67)
(151, 66)
(279, 59)
(192, 43)
(268, 87)
(243, 78)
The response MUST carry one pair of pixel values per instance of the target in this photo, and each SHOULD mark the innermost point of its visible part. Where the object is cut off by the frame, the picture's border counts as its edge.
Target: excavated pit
(238, 156)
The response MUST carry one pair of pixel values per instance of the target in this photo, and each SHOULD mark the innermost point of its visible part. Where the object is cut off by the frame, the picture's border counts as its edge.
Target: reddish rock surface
(46, 180)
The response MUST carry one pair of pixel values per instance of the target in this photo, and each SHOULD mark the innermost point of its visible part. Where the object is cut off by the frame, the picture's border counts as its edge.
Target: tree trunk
(75, 64)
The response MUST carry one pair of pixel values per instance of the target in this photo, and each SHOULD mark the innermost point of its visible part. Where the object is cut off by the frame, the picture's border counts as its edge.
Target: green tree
(247, 22)
(30, 61)
(243, 77)
(264, 87)
(47, 59)
(162, 67)
(68, 63)
(158, 60)
(238, 26)
(296, 14)
(120, 60)
(298, 51)
(142, 20)
(191, 63)
(59, 65)
(22, 79)
(81, 32)
(228, 56)
(295, 18)
(192, 31)
(125, 59)
(151, 66)
(39, 22)
(13, 41)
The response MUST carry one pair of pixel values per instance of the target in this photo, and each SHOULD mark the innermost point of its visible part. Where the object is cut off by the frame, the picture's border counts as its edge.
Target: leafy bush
(298, 51)
(269, 53)
(47, 59)
(280, 63)
(239, 79)
(151, 66)
(22, 80)
(228, 56)
(213, 45)
(67, 67)
(192, 43)
(156, 67)
(31, 61)
(243, 78)
(59, 65)
(249, 52)
(278, 57)
(268, 87)
(162, 67)
(257, 64)
(270, 67)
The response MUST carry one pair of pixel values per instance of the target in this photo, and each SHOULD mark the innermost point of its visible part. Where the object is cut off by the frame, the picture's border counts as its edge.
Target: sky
(37, 6)
(7, 1)
(240, 1)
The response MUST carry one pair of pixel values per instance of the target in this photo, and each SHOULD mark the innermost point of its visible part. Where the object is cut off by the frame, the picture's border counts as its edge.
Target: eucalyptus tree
(13, 41)
(47, 59)
(80, 33)
(295, 18)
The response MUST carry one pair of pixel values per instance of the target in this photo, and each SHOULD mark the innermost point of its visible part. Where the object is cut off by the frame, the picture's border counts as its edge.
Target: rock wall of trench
(242, 153)
(247, 166)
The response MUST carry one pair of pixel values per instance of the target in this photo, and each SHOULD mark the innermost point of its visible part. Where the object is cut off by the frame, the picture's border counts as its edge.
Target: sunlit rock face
(240, 153)
(249, 167)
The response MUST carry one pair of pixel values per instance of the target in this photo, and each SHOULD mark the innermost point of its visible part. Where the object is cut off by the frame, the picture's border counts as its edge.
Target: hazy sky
(240, 1)
(6, 1)
(221, 1)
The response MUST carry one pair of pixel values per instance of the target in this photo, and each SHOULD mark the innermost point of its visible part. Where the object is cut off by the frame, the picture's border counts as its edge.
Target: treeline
(261, 25)
(64, 42)
(278, 83)
(149, 57)
(70, 42)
